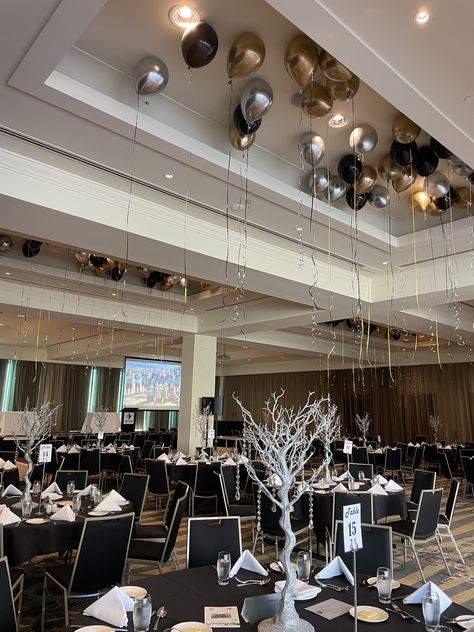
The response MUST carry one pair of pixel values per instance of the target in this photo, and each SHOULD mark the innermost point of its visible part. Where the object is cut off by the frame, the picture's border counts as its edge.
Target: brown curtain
(107, 386)
(399, 401)
(28, 379)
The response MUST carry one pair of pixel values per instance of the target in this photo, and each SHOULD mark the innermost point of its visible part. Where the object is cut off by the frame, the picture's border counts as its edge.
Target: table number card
(221, 617)
(45, 453)
(352, 528)
(347, 449)
(100, 436)
(330, 609)
(211, 434)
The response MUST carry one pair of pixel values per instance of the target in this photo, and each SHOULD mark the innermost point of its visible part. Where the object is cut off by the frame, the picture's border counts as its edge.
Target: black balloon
(97, 262)
(31, 248)
(403, 153)
(244, 128)
(444, 202)
(471, 178)
(356, 202)
(425, 162)
(116, 274)
(199, 45)
(440, 150)
(349, 168)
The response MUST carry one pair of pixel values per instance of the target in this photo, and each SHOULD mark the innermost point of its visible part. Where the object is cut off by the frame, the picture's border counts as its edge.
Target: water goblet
(431, 610)
(142, 614)
(360, 476)
(70, 488)
(384, 584)
(303, 566)
(223, 567)
(76, 504)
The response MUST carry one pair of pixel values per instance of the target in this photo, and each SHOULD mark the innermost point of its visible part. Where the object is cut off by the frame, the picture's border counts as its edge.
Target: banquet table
(200, 588)
(23, 542)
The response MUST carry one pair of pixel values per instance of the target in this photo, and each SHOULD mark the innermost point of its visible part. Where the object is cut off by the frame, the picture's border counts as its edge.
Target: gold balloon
(333, 69)
(238, 141)
(245, 56)
(388, 168)
(404, 180)
(420, 202)
(109, 264)
(301, 59)
(316, 101)
(101, 271)
(343, 90)
(463, 198)
(404, 129)
(367, 180)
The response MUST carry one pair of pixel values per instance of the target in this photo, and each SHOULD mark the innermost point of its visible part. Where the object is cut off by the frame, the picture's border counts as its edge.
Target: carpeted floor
(460, 586)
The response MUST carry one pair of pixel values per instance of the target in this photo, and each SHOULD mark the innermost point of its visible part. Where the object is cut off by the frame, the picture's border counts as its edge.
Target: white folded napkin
(132, 447)
(243, 459)
(86, 491)
(124, 446)
(54, 487)
(181, 461)
(164, 457)
(417, 445)
(378, 490)
(381, 480)
(108, 505)
(65, 514)
(274, 481)
(412, 445)
(8, 465)
(417, 596)
(111, 449)
(11, 490)
(51, 495)
(73, 450)
(378, 451)
(392, 486)
(343, 477)
(8, 517)
(340, 488)
(180, 455)
(447, 447)
(61, 449)
(230, 461)
(301, 590)
(248, 562)
(112, 608)
(2, 462)
(116, 497)
(224, 456)
(334, 568)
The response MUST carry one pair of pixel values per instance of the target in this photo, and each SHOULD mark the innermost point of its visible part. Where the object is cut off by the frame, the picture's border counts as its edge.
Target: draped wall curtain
(400, 408)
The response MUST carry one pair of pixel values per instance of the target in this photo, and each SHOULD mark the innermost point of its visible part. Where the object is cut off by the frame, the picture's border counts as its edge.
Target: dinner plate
(64, 502)
(373, 580)
(122, 503)
(98, 513)
(465, 621)
(307, 597)
(369, 614)
(135, 592)
(36, 521)
(275, 567)
(321, 485)
(95, 628)
(192, 626)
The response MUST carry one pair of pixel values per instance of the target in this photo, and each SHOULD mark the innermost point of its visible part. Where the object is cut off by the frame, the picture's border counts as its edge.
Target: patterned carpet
(460, 587)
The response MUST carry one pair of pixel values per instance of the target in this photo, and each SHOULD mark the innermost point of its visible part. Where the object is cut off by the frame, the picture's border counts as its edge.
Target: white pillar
(198, 379)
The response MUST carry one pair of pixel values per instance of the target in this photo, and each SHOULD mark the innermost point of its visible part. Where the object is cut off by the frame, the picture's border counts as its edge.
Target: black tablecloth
(24, 541)
(186, 593)
(11, 477)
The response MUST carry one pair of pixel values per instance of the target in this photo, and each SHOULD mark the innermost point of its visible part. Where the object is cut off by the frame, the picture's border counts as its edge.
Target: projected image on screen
(151, 385)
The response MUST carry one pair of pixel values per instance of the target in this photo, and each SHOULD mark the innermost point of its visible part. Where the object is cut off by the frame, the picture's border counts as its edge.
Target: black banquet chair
(159, 484)
(446, 518)
(206, 484)
(8, 622)
(208, 536)
(367, 468)
(377, 549)
(79, 477)
(90, 460)
(134, 489)
(232, 507)
(159, 530)
(359, 455)
(99, 564)
(423, 479)
(393, 462)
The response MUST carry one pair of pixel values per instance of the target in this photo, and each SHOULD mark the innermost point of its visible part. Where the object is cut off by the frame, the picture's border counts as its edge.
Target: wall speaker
(218, 405)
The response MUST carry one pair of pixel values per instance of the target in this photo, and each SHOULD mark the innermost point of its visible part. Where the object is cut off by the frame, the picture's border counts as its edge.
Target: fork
(404, 616)
(333, 586)
(401, 612)
(251, 582)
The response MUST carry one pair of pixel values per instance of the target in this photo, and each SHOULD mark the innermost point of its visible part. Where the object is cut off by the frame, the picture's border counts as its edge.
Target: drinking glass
(303, 565)
(70, 488)
(223, 568)
(26, 507)
(384, 584)
(97, 496)
(142, 614)
(76, 504)
(360, 476)
(1, 488)
(431, 610)
(36, 488)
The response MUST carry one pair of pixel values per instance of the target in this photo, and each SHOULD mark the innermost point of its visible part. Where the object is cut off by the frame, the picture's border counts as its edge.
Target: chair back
(423, 480)
(367, 468)
(468, 467)
(431, 453)
(180, 491)
(134, 488)
(158, 451)
(125, 437)
(404, 448)
(174, 525)
(126, 465)
(69, 461)
(427, 515)
(418, 458)
(228, 477)
(223, 491)
(206, 482)
(103, 548)
(158, 476)
(444, 465)
(393, 459)
(377, 549)
(139, 439)
(208, 536)
(451, 501)
(90, 460)
(147, 448)
(342, 499)
(38, 473)
(359, 455)
(421, 438)
(8, 621)
(62, 477)
(8, 455)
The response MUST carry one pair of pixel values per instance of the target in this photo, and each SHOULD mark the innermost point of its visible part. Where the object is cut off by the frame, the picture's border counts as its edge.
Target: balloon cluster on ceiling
(355, 325)
(305, 62)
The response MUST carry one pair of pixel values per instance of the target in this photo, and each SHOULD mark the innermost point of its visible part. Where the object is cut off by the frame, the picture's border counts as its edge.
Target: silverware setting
(457, 620)
(160, 614)
(403, 613)
(251, 582)
(333, 586)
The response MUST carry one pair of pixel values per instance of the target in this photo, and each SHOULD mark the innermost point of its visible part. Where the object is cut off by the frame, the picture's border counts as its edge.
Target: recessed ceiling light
(21, 315)
(191, 309)
(282, 356)
(244, 347)
(1, 324)
(182, 15)
(99, 322)
(114, 293)
(422, 16)
(338, 120)
(384, 263)
(169, 176)
(7, 273)
(248, 359)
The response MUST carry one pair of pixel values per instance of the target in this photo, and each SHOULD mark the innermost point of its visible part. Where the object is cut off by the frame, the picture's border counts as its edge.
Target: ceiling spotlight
(169, 176)
(191, 309)
(182, 16)
(385, 263)
(7, 273)
(21, 315)
(422, 16)
(338, 120)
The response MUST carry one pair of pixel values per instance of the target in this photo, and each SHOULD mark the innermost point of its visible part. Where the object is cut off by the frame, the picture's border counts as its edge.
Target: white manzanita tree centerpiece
(436, 425)
(100, 419)
(36, 424)
(201, 425)
(363, 424)
(330, 432)
(284, 442)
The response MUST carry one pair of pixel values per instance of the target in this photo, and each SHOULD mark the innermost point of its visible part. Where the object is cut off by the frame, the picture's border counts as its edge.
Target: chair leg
(455, 544)
(412, 544)
(43, 603)
(437, 537)
(66, 608)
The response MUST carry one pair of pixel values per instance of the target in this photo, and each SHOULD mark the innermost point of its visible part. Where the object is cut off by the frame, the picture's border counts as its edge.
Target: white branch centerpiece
(36, 424)
(363, 424)
(330, 432)
(100, 419)
(436, 425)
(284, 442)
(201, 424)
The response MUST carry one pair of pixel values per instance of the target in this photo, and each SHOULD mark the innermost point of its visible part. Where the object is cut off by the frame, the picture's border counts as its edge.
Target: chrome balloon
(312, 148)
(317, 182)
(436, 184)
(5, 243)
(379, 196)
(82, 257)
(150, 76)
(336, 189)
(256, 100)
(143, 272)
(363, 139)
(459, 167)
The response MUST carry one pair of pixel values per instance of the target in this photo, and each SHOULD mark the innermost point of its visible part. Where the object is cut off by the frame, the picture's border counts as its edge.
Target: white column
(198, 378)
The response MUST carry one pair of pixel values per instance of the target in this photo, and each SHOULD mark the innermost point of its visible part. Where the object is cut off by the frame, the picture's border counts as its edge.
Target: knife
(396, 607)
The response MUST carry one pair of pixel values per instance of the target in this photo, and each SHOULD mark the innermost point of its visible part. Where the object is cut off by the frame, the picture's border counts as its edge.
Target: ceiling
(275, 267)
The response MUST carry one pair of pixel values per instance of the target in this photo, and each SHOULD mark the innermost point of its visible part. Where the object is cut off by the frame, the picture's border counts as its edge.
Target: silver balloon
(150, 76)
(317, 182)
(312, 148)
(5, 243)
(459, 167)
(88, 267)
(82, 256)
(256, 100)
(336, 189)
(436, 184)
(379, 196)
(143, 272)
(363, 139)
